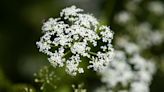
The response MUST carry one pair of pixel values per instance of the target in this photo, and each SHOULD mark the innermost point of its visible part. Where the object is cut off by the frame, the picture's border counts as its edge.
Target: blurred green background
(20, 28)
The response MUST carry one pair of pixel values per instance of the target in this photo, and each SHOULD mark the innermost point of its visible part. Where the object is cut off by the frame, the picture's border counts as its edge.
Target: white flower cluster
(74, 35)
(143, 33)
(144, 70)
(123, 17)
(134, 72)
(129, 47)
(156, 7)
(118, 71)
(146, 36)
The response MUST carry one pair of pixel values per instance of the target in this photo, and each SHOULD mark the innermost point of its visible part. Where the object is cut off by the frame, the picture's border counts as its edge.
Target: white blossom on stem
(75, 35)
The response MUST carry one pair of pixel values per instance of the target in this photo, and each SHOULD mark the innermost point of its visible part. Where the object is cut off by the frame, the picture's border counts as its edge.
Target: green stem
(92, 53)
(67, 53)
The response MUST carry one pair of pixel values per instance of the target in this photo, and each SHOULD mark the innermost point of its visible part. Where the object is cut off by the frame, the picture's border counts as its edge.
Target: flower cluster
(45, 77)
(73, 36)
(156, 7)
(133, 74)
(143, 32)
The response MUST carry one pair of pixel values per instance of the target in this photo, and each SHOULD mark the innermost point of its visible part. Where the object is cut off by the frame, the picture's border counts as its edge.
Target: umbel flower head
(75, 36)
(127, 73)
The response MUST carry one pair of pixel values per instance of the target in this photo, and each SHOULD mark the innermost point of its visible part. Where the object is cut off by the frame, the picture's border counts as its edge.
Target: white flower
(56, 58)
(146, 36)
(139, 87)
(75, 35)
(70, 12)
(80, 48)
(134, 72)
(156, 7)
(123, 17)
(72, 65)
(107, 34)
(117, 72)
(102, 60)
(129, 47)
